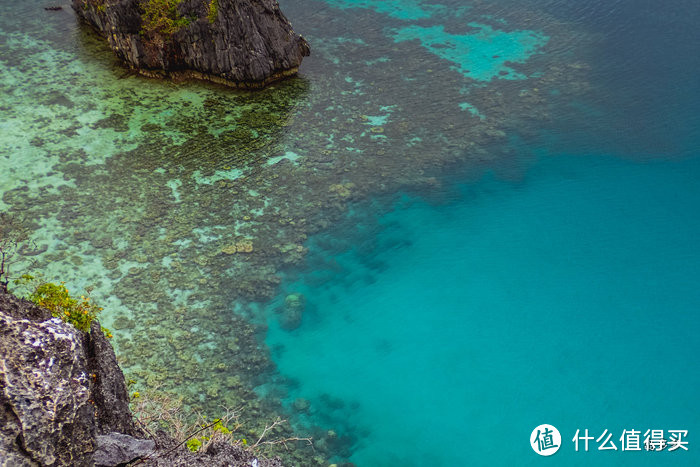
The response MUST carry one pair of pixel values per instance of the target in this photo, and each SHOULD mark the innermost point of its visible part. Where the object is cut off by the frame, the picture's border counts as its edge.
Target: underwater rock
(242, 43)
(244, 246)
(301, 405)
(292, 312)
(229, 250)
(344, 190)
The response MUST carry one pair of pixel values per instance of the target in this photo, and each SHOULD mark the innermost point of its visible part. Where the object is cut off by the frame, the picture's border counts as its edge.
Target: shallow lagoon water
(156, 193)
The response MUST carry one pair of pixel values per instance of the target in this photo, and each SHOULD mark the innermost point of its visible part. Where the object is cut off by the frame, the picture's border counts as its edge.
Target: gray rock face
(59, 389)
(218, 454)
(63, 401)
(109, 393)
(245, 43)
(117, 449)
(46, 417)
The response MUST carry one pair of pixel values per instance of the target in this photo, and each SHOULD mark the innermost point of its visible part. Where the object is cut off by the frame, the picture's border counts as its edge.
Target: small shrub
(194, 444)
(215, 431)
(56, 298)
(161, 17)
(213, 10)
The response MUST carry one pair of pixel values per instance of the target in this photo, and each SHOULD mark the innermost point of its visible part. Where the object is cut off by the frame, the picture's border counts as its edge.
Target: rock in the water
(245, 43)
(301, 405)
(120, 449)
(291, 314)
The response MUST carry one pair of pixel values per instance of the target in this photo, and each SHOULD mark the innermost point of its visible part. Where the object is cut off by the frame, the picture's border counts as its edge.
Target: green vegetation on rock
(213, 10)
(161, 17)
(56, 298)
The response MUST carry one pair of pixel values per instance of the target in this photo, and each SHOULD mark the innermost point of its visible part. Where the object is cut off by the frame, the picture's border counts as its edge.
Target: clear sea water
(445, 331)
(567, 298)
(546, 274)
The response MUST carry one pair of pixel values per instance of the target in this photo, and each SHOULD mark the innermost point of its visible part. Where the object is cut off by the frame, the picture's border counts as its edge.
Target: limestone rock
(120, 449)
(45, 414)
(109, 393)
(218, 454)
(59, 388)
(245, 43)
(63, 401)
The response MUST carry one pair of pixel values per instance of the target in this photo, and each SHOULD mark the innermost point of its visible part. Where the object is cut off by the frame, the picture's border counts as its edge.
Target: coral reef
(291, 313)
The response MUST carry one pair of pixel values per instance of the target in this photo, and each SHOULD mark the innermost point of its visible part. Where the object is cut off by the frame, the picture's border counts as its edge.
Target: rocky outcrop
(218, 454)
(46, 414)
(108, 392)
(244, 43)
(120, 449)
(64, 402)
(62, 393)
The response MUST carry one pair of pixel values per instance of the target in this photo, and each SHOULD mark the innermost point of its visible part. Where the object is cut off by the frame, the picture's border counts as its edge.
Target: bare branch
(284, 441)
(277, 422)
(155, 409)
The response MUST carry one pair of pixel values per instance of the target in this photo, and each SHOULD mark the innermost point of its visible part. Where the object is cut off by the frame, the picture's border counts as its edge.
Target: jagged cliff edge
(64, 401)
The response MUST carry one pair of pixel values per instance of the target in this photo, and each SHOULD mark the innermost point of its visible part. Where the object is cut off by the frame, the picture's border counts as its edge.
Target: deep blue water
(441, 333)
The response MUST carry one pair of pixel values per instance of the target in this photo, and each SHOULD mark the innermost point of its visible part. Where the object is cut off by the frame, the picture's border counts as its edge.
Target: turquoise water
(569, 298)
(481, 55)
(560, 290)
(401, 9)
(471, 218)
